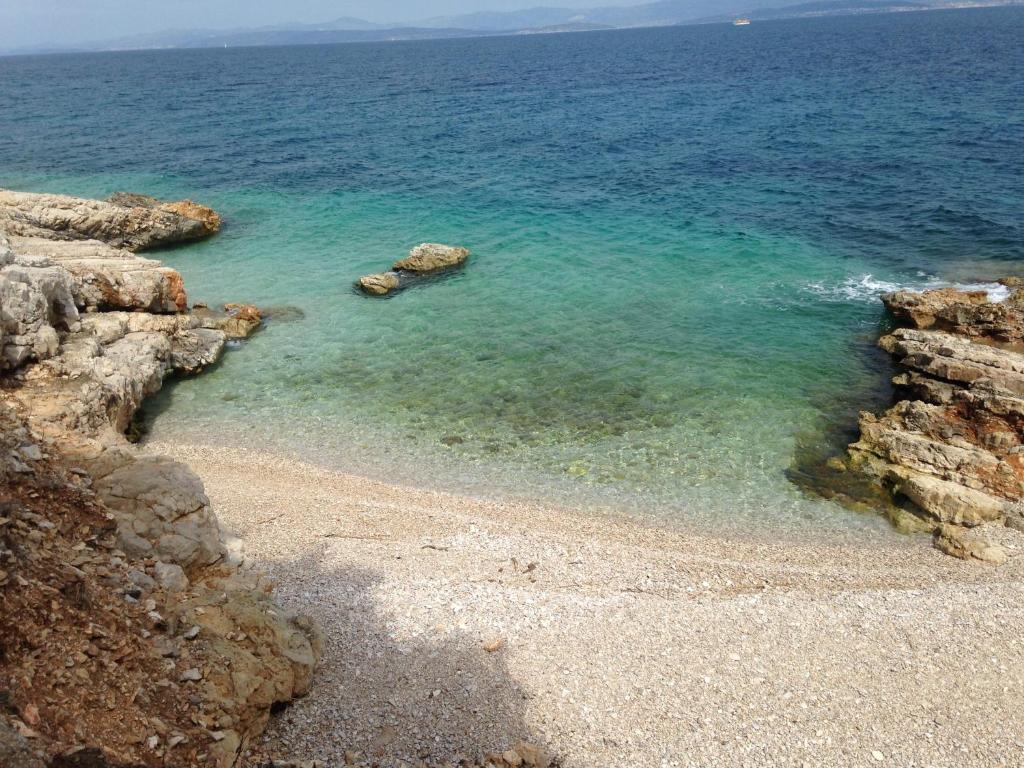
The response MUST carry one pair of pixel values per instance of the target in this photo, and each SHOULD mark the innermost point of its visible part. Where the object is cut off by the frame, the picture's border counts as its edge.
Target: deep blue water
(679, 237)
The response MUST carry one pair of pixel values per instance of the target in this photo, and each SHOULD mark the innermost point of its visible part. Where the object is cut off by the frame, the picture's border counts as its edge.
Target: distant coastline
(513, 23)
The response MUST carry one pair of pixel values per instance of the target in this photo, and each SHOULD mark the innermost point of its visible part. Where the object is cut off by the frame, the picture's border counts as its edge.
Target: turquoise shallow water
(679, 236)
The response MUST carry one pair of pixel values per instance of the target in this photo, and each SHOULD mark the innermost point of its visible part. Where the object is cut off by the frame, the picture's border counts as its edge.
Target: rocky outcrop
(432, 257)
(88, 331)
(950, 452)
(185, 208)
(36, 301)
(106, 278)
(379, 284)
(131, 222)
(424, 260)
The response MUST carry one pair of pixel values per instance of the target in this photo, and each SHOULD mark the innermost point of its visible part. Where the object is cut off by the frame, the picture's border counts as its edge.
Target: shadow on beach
(395, 698)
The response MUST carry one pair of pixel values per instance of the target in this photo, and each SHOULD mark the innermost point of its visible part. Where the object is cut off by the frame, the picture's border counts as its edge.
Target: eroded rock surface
(379, 284)
(134, 223)
(432, 257)
(159, 605)
(423, 261)
(951, 450)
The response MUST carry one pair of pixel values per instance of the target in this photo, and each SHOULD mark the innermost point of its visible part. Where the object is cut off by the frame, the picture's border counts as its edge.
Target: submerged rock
(284, 314)
(950, 451)
(432, 257)
(241, 321)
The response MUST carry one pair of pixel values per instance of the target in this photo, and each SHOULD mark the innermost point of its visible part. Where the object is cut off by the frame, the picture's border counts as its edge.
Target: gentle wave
(867, 288)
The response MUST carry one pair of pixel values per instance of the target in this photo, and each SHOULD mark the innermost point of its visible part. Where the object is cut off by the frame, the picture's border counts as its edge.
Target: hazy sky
(43, 22)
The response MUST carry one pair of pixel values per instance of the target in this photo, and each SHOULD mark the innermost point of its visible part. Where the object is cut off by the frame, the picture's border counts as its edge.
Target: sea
(679, 238)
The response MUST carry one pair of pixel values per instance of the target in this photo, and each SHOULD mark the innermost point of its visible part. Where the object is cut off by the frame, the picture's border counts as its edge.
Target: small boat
(741, 22)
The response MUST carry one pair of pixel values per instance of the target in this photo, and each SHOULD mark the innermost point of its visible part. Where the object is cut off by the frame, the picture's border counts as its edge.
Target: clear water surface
(679, 236)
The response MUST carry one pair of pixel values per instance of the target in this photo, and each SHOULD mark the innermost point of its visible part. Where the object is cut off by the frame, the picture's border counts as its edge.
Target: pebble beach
(456, 626)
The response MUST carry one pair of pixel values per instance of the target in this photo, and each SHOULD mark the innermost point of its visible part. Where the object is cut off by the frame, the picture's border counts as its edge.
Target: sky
(35, 23)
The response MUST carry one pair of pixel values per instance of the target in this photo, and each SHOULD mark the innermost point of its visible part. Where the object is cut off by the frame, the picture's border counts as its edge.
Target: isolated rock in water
(432, 257)
(379, 284)
(235, 321)
(241, 321)
(135, 228)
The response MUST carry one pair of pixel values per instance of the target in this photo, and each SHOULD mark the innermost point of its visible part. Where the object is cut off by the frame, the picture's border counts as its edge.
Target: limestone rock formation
(187, 208)
(951, 450)
(106, 278)
(380, 284)
(36, 300)
(432, 257)
(156, 602)
(424, 260)
(131, 226)
(966, 313)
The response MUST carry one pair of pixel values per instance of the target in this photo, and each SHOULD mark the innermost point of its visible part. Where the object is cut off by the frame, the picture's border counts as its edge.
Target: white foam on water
(868, 288)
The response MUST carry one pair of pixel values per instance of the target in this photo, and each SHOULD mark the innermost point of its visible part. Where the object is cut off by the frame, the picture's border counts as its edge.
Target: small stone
(192, 633)
(878, 756)
(153, 741)
(512, 757)
(191, 675)
(24, 730)
(170, 577)
(532, 755)
(141, 579)
(31, 452)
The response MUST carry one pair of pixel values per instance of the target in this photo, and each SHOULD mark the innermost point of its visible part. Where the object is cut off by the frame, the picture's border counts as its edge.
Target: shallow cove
(679, 236)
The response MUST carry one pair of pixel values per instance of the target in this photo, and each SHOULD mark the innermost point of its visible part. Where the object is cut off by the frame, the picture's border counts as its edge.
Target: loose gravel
(457, 627)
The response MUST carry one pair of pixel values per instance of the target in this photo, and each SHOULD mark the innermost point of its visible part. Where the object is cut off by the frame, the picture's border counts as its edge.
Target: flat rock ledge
(424, 260)
(949, 455)
(127, 221)
(133, 632)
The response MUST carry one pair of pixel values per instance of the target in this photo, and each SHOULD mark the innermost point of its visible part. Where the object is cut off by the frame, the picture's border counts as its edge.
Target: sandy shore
(621, 644)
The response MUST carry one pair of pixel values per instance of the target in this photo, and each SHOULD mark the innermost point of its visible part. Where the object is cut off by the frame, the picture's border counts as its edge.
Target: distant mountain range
(528, 21)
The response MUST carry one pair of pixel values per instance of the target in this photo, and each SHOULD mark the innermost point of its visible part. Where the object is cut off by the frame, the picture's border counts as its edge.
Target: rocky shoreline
(131, 630)
(948, 456)
(134, 633)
